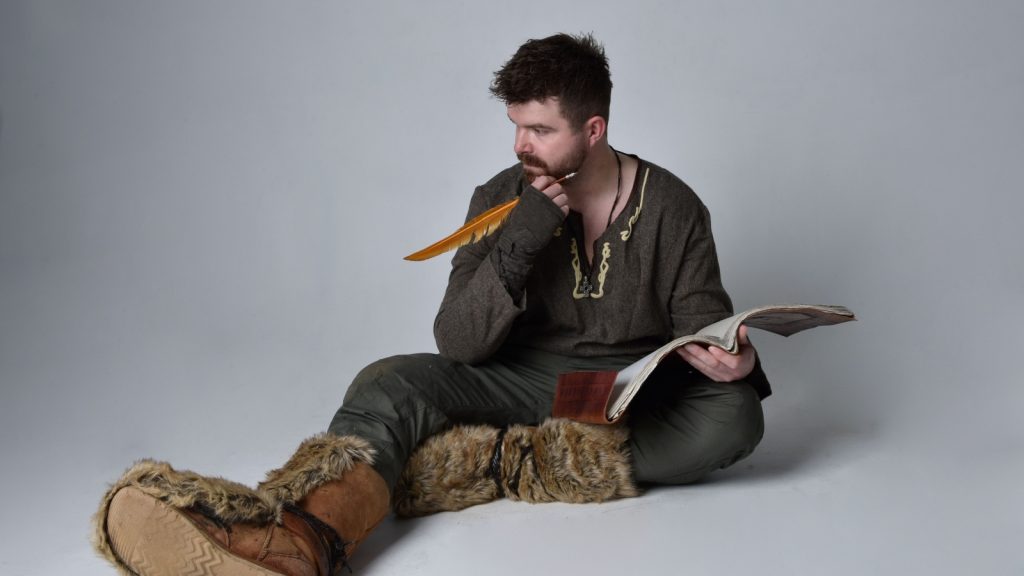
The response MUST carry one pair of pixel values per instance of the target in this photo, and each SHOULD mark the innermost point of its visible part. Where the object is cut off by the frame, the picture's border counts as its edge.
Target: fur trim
(319, 459)
(229, 501)
(558, 461)
(449, 471)
(566, 461)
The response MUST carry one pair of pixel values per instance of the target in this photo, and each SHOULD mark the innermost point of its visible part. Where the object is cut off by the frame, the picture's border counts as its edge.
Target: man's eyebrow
(531, 126)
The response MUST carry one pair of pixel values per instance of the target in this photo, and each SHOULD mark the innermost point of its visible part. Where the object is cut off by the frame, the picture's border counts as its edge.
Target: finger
(554, 191)
(561, 201)
(742, 367)
(690, 358)
(547, 186)
(729, 360)
(564, 207)
(701, 356)
(744, 339)
(718, 364)
(541, 182)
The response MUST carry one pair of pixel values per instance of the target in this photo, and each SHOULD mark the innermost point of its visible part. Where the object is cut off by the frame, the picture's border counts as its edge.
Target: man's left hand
(718, 364)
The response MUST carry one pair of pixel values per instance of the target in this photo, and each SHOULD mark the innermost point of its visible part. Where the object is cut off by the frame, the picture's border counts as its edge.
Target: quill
(475, 230)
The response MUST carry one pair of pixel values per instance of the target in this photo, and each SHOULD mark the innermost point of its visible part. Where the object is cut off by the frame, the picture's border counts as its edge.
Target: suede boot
(558, 461)
(352, 503)
(158, 521)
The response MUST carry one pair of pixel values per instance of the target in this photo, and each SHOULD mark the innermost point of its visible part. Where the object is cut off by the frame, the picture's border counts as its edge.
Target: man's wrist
(538, 214)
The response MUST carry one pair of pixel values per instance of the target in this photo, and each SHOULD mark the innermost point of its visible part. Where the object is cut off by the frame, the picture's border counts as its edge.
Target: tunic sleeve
(485, 288)
(699, 298)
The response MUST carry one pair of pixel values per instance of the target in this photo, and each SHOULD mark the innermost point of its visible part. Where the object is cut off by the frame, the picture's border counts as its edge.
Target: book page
(785, 319)
(626, 376)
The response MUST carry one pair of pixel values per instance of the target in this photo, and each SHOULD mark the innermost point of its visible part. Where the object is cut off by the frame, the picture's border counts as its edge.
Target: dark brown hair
(573, 69)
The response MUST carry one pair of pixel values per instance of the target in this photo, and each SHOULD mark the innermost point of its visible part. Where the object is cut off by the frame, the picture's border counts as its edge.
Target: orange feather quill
(473, 231)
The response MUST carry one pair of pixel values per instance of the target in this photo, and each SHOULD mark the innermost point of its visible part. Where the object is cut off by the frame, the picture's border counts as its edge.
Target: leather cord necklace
(618, 187)
(587, 285)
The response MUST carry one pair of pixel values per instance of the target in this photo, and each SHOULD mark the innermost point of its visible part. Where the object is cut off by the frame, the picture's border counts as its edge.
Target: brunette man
(589, 273)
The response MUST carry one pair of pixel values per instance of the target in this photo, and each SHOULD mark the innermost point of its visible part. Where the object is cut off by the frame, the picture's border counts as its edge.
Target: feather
(475, 230)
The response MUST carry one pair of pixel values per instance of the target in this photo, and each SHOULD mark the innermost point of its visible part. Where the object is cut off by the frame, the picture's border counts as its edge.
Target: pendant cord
(618, 187)
(587, 286)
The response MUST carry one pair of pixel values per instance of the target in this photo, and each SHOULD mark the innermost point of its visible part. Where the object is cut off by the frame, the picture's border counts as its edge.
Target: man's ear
(595, 128)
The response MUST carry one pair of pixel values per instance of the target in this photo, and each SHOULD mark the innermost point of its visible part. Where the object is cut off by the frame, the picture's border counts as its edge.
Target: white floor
(809, 501)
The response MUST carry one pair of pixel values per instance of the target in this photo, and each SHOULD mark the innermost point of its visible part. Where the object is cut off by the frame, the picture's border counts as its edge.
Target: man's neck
(597, 178)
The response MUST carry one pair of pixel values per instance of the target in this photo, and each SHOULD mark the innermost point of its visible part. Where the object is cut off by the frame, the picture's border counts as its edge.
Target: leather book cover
(583, 396)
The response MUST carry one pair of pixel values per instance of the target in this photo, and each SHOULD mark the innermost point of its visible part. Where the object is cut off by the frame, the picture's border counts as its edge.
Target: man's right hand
(546, 185)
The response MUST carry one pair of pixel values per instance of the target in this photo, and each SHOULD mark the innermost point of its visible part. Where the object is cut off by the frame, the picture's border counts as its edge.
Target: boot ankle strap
(328, 538)
(496, 461)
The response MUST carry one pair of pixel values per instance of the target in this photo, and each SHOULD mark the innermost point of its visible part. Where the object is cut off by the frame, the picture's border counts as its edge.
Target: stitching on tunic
(602, 274)
(576, 294)
(606, 251)
(625, 234)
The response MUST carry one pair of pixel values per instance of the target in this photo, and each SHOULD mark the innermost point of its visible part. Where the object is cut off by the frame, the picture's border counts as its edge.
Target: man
(590, 272)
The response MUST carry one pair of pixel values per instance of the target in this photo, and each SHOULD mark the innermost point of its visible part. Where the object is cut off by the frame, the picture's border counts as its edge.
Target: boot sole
(155, 539)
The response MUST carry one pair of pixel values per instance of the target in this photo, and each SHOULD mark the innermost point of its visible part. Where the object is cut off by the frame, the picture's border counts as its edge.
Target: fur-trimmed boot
(558, 461)
(312, 514)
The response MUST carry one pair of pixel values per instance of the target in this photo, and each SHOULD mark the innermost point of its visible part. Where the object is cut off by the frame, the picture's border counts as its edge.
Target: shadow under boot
(157, 520)
(558, 461)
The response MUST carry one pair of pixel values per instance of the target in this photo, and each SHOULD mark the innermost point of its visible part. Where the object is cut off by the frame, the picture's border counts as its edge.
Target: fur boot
(228, 501)
(318, 507)
(558, 461)
(331, 477)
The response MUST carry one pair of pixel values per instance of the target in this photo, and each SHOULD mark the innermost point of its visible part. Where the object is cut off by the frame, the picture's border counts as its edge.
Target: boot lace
(329, 539)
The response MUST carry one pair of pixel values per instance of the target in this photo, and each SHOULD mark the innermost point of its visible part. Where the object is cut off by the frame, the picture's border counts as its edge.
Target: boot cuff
(320, 459)
(566, 461)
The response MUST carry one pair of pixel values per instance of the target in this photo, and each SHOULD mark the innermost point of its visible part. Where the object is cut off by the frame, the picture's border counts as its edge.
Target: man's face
(545, 143)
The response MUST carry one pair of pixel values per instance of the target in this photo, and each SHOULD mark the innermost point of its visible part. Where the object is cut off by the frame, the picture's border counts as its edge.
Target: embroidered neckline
(626, 234)
(584, 286)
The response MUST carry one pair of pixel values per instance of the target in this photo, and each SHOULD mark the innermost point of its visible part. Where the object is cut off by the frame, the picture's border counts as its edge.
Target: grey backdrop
(204, 205)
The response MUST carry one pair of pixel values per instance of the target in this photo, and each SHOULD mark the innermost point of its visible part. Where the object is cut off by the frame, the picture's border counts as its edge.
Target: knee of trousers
(398, 393)
(682, 442)
(389, 405)
(396, 377)
(746, 419)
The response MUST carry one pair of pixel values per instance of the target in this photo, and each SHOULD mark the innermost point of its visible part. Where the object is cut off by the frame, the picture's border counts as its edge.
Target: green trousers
(682, 425)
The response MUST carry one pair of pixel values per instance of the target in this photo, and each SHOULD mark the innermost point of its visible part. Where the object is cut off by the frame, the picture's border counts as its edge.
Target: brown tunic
(655, 276)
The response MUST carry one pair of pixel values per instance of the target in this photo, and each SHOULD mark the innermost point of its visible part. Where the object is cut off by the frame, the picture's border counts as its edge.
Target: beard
(572, 162)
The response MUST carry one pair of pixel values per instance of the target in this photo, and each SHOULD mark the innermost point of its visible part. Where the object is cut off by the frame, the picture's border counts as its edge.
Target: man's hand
(546, 185)
(718, 364)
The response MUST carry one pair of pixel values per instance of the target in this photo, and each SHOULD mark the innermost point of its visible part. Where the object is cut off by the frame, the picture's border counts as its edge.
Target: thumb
(742, 333)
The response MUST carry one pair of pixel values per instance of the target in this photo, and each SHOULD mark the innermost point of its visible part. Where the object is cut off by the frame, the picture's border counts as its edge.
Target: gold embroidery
(558, 232)
(576, 294)
(625, 234)
(585, 291)
(606, 251)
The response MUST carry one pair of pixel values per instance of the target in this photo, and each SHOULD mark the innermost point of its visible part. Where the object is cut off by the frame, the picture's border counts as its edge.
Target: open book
(602, 397)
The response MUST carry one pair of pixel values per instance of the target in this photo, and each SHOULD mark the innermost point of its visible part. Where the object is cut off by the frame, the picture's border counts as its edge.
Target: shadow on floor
(387, 535)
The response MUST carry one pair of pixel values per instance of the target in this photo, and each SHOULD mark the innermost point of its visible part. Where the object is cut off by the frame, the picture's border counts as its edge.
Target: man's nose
(522, 143)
